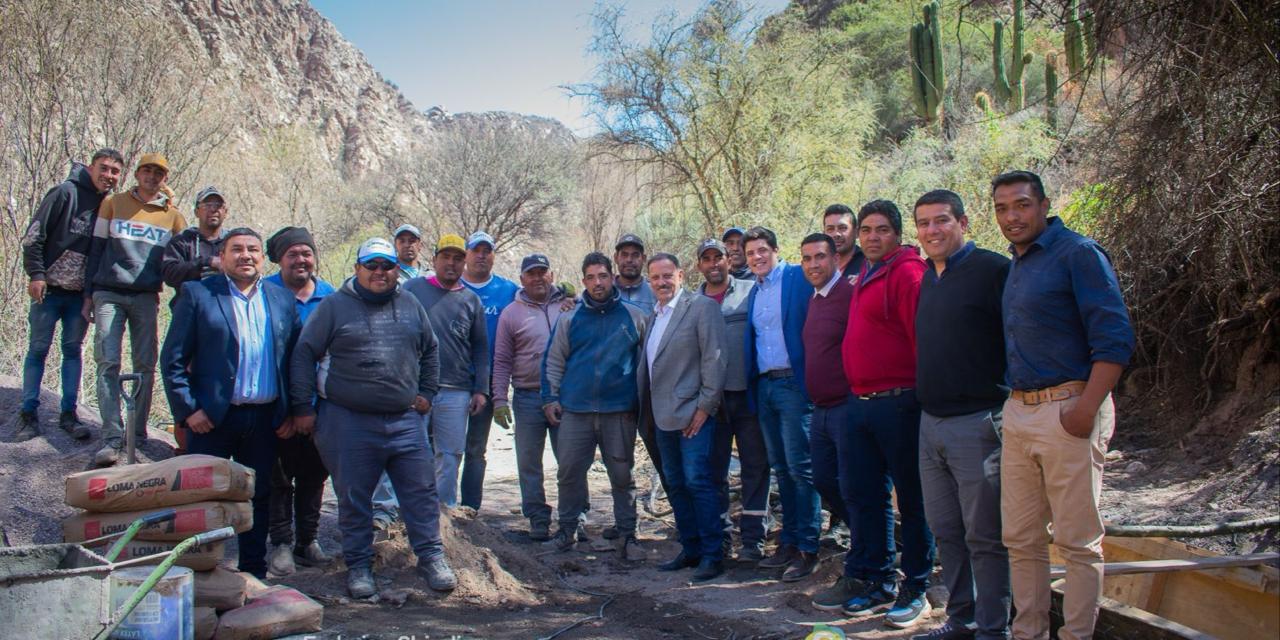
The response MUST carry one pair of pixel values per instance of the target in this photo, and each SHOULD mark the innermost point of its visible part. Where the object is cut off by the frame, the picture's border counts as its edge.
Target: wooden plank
(1177, 564)
(1119, 621)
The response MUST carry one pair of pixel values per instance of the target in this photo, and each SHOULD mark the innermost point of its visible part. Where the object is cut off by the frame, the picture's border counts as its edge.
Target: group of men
(971, 387)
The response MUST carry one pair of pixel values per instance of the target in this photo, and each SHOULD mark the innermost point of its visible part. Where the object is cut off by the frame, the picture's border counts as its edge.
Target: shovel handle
(215, 535)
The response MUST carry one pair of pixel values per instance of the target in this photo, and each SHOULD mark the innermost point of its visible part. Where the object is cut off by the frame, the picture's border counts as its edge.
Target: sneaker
(70, 422)
(108, 455)
(539, 531)
(280, 562)
(360, 583)
(801, 567)
(874, 599)
(834, 596)
(908, 609)
(632, 551)
(780, 558)
(948, 631)
(28, 427)
(312, 555)
(562, 541)
(438, 575)
(708, 569)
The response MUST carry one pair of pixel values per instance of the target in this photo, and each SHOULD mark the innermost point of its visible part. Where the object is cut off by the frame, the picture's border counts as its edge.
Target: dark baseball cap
(731, 231)
(711, 243)
(627, 239)
(533, 261)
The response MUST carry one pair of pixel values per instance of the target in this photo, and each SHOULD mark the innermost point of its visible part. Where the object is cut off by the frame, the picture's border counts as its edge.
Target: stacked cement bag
(207, 493)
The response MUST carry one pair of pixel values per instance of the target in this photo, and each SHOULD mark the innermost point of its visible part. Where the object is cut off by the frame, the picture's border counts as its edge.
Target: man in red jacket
(879, 353)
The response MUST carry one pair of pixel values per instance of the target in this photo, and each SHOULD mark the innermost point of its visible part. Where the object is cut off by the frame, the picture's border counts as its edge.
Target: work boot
(437, 573)
(801, 567)
(562, 541)
(109, 454)
(28, 427)
(539, 531)
(70, 422)
(609, 533)
(312, 555)
(681, 561)
(280, 562)
(751, 552)
(632, 551)
(780, 558)
(360, 583)
(708, 569)
(833, 597)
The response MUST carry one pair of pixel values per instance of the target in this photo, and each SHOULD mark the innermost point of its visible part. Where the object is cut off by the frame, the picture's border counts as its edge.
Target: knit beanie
(287, 237)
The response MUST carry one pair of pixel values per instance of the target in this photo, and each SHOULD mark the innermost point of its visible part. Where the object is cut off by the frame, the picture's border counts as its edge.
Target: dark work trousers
(735, 421)
(297, 489)
(473, 462)
(960, 476)
(886, 432)
(248, 436)
(649, 436)
(831, 445)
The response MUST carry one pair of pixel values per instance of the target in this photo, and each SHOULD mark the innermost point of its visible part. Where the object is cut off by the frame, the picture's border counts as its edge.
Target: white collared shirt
(826, 288)
(661, 320)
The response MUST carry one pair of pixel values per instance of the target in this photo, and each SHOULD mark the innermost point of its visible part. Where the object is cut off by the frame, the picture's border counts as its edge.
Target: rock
(1135, 468)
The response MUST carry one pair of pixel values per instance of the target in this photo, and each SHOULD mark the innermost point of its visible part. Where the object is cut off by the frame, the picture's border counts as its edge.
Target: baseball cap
(711, 243)
(451, 241)
(156, 159)
(376, 249)
(627, 239)
(479, 238)
(409, 228)
(533, 261)
(732, 230)
(208, 192)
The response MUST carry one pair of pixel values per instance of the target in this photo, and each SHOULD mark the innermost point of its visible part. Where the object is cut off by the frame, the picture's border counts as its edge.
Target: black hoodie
(55, 246)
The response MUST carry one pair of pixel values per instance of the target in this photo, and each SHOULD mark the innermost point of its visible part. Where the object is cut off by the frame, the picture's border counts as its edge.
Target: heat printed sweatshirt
(129, 240)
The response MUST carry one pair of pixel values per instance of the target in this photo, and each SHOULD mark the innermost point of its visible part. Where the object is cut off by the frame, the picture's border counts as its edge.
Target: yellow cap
(156, 159)
(451, 241)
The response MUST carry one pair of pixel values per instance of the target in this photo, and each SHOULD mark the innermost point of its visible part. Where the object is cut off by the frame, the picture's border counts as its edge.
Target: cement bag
(205, 622)
(201, 558)
(279, 611)
(180, 480)
(219, 589)
(191, 519)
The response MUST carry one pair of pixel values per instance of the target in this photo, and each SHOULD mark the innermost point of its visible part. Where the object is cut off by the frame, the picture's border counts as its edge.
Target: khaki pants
(1048, 475)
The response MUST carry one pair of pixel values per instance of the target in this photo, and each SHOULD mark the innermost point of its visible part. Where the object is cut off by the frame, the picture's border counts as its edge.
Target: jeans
(297, 491)
(41, 318)
(735, 421)
(580, 434)
(784, 419)
(112, 311)
(887, 457)
(247, 434)
(960, 476)
(531, 432)
(449, 439)
(473, 462)
(691, 491)
(831, 443)
(386, 507)
(358, 448)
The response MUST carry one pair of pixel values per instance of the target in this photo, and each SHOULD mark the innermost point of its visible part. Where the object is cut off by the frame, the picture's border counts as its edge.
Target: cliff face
(292, 66)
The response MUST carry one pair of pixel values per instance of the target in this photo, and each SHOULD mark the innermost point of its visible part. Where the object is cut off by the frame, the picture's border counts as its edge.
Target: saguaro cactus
(1009, 82)
(928, 80)
(1074, 40)
(1051, 90)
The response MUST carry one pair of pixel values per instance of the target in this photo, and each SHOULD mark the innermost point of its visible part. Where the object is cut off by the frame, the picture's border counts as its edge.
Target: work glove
(503, 416)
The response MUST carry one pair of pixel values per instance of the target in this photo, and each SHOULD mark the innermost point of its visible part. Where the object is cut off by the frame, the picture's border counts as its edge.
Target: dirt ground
(511, 587)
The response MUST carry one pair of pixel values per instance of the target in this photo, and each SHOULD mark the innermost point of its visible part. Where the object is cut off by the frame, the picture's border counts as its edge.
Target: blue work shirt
(766, 317)
(256, 368)
(304, 307)
(495, 295)
(1063, 311)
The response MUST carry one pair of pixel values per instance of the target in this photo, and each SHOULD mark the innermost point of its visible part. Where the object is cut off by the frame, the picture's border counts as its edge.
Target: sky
(486, 55)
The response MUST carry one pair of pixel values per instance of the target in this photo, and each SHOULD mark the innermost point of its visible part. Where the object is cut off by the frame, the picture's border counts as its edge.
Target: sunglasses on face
(379, 265)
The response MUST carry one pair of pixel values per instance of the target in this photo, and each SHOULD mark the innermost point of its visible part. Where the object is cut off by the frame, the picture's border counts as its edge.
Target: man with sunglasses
(380, 377)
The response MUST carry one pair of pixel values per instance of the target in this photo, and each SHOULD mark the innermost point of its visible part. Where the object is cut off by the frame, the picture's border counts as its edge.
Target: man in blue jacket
(776, 310)
(589, 389)
(225, 363)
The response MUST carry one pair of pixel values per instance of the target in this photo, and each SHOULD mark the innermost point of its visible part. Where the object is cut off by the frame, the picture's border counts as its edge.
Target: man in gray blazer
(681, 378)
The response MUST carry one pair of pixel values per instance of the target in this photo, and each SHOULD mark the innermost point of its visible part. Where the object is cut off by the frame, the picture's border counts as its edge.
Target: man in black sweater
(960, 378)
(55, 248)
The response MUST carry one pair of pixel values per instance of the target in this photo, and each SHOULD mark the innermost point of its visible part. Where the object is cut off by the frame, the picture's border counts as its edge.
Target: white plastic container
(165, 613)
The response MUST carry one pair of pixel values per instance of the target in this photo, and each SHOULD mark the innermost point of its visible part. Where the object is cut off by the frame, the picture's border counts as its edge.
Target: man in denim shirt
(1067, 339)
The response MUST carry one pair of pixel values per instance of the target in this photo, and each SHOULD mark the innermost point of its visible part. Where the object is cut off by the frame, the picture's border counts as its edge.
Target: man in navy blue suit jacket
(776, 311)
(225, 364)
